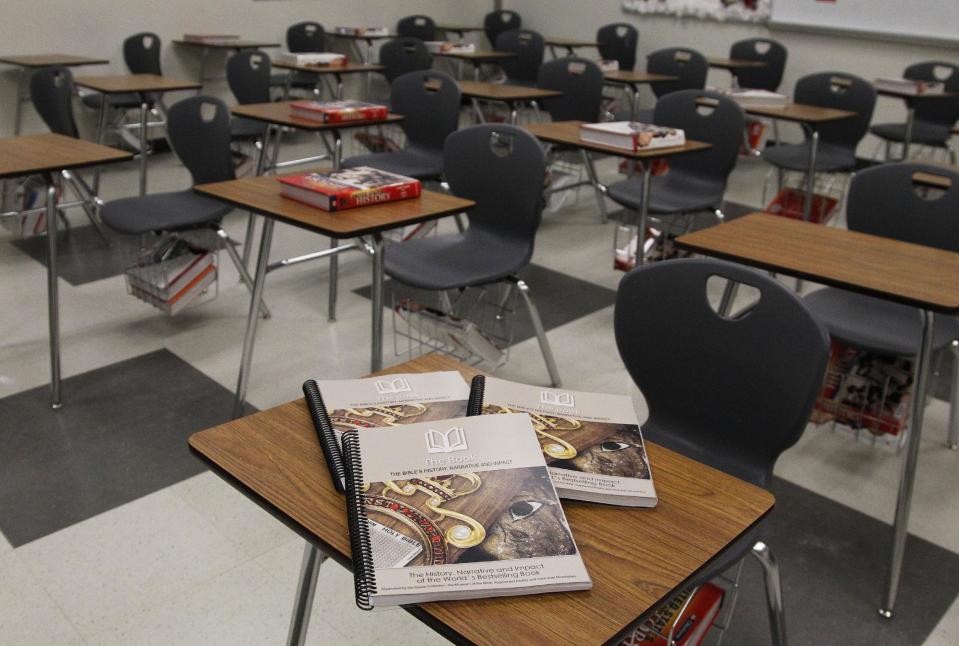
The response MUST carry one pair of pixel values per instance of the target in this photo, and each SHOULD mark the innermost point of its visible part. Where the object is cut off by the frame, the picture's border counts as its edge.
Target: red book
(338, 111)
(690, 627)
(348, 188)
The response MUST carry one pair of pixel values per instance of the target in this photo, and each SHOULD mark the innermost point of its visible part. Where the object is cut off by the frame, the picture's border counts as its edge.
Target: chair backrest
(496, 22)
(581, 82)
(306, 37)
(51, 91)
(944, 111)
(618, 42)
(430, 102)
(422, 27)
(844, 92)
(891, 201)
(688, 65)
(403, 55)
(141, 53)
(709, 117)
(199, 130)
(731, 392)
(528, 46)
(765, 50)
(502, 169)
(248, 75)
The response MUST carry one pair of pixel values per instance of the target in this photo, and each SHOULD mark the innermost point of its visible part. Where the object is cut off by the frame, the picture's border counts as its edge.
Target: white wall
(98, 27)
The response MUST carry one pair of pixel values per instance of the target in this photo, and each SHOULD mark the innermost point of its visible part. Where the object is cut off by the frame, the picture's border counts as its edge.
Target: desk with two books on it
(637, 558)
(207, 42)
(901, 272)
(511, 95)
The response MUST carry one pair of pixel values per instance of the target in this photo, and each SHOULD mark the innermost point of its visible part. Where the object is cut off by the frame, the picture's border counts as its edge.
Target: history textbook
(349, 188)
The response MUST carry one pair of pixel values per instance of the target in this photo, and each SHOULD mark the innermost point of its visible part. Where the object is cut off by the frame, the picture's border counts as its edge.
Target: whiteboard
(922, 19)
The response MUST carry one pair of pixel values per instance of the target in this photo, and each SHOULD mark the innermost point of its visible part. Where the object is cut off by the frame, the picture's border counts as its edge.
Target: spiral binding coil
(364, 575)
(474, 406)
(324, 430)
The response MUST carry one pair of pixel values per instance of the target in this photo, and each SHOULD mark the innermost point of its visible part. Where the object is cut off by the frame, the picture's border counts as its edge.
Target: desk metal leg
(810, 185)
(476, 71)
(261, 151)
(643, 214)
(910, 121)
(305, 591)
(376, 358)
(598, 188)
(478, 110)
(53, 298)
(101, 134)
(334, 278)
(21, 97)
(143, 147)
(259, 280)
(202, 75)
(908, 478)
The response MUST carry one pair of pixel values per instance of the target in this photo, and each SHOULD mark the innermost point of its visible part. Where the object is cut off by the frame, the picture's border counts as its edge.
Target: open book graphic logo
(452, 440)
(392, 386)
(557, 399)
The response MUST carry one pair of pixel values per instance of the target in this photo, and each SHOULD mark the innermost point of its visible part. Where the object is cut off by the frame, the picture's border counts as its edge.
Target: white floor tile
(28, 615)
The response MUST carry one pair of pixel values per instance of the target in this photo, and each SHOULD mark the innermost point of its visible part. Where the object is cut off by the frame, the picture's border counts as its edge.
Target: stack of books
(447, 47)
(362, 31)
(316, 59)
(172, 276)
(688, 626)
(909, 86)
(211, 39)
(607, 65)
(348, 188)
(338, 111)
(631, 135)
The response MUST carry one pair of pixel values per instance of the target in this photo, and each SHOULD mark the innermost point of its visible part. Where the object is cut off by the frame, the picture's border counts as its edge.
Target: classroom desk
(914, 275)
(234, 44)
(142, 85)
(369, 39)
(46, 155)
(566, 133)
(511, 95)
(337, 71)
(461, 30)
(633, 80)
(569, 44)
(911, 100)
(28, 63)
(477, 58)
(733, 65)
(637, 558)
(262, 195)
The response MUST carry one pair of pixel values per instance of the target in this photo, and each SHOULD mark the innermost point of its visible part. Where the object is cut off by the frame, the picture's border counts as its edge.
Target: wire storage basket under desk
(176, 272)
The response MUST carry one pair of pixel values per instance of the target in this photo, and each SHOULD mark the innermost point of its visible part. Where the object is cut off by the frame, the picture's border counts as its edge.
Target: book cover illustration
(349, 188)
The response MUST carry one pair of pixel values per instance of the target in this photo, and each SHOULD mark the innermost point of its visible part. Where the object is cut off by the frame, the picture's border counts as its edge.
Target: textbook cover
(349, 188)
(338, 111)
(591, 441)
(631, 135)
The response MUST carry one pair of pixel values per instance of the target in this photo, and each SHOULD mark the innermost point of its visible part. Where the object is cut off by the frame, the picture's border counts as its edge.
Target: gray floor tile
(82, 254)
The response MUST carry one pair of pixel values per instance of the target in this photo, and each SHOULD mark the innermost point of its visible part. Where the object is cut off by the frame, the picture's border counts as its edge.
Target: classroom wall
(98, 27)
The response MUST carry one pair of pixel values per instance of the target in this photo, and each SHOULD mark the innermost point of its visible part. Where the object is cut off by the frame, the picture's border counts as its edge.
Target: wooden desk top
(278, 112)
(635, 77)
(463, 29)
(29, 154)
(567, 133)
(901, 94)
(126, 83)
(570, 42)
(897, 271)
(46, 60)
(349, 68)
(479, 56)
(503, 91)
(799, 112)
(236, 43)
(262, 195)
(360, 36)
(636, 557)
(733, 63)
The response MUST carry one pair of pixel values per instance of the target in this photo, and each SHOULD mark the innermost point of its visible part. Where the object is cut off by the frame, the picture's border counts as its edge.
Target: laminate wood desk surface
(349, 68)
(336, 34)
(907, 273)
(278, 112)
(636, 557)
(461, 29)
(237, 43)
(902, 94)
(479, 55)
(570, 43)
(567, 133)
(46, 60)
(635, 77)
(262, 195)
(733, 63)
(126, 83)
(28, 154)
(503, 91)
(799, 112)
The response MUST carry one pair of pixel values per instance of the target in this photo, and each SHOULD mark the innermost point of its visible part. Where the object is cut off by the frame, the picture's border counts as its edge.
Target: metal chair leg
(774, 595)
(240, 267)
(954, 405)
(540, 334)
(305, 592)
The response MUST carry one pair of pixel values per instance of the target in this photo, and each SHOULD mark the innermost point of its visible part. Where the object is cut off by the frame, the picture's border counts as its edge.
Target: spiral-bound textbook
(592, 442)
(455, 509)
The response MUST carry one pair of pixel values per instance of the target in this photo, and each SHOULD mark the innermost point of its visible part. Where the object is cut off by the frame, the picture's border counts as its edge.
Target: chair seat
(162, 212)
(875, 324)
(829, 158)
(241, 128)
(670, 193)
(929, 134)
(451, 261)
(418, 163)
(127, 101)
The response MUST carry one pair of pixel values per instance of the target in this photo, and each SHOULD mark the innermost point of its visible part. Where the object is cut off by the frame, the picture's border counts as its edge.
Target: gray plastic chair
(141, 53)
(695, 181)
(837, 140)
(765, 50)
(422, 27)
(687, 64)
(726, 391)
(529, 47)
(496, 22)
(886, 201)
(618, 42)
(248, 75)
(581, 82)
(933, 119)
(501, 168)
(403, 55)
(430, 103)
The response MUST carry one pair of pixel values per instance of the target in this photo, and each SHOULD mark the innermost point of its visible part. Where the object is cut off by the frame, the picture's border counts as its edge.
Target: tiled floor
(188, 560)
